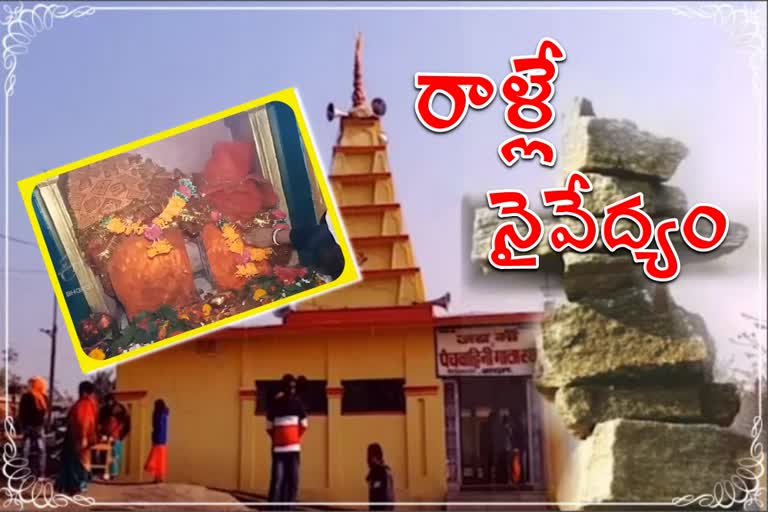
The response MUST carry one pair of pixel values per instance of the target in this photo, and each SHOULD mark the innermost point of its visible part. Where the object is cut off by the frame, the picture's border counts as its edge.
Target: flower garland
(97, 353)
(281, 283)
(154, 232)
(247, 256)
(101, 337)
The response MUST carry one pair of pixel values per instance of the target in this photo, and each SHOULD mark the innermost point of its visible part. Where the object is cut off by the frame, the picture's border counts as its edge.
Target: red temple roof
(416, 315)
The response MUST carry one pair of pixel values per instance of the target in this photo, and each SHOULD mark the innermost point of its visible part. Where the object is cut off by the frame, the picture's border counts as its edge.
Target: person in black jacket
(381, 491)
(33, 408)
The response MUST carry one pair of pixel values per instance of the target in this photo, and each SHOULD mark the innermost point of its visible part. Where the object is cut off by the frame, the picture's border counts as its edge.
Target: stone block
(596, 274)
(624, 338)
(617, 147)
(657, 199)
(582, 407)
(632, 461)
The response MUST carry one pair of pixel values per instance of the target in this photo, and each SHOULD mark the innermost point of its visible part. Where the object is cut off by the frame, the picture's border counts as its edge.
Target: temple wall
(217, 440)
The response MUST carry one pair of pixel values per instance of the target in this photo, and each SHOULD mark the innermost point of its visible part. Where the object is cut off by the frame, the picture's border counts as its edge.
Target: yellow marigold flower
(159, 247)
(259, 254)
(236, 246)
(229, 233)
(207, 310)
(259, 293)
(116, 226)
(172, 210)
(176, 203)
(168, 214)
(247, 270)
(97, 353)
(135, 228)
(184, 317)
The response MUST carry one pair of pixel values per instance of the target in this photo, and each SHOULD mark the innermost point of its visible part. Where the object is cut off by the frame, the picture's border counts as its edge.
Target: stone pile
(629, 371)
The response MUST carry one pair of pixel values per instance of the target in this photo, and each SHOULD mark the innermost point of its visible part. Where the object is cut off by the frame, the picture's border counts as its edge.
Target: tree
(747, 352)
(14, 380)
(104, 382)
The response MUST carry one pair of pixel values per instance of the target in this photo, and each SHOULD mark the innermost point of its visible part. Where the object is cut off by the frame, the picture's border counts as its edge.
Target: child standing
(157, 462)
(380, 483)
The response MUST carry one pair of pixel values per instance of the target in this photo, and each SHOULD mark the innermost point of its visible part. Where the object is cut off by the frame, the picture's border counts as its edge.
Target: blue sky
(94, 83)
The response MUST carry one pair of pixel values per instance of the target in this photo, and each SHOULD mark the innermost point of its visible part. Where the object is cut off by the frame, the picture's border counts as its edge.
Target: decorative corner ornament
(22, 487)
(23, 24)
(744, 487)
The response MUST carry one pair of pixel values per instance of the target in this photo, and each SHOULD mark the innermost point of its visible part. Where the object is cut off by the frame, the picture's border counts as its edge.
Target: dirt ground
(115, 497)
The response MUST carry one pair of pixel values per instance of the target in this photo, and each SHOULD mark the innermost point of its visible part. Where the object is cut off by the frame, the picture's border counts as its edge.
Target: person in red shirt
(82, 434)
(286, 424)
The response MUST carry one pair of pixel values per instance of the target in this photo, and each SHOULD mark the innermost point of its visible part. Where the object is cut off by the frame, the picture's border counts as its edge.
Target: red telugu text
(649, 244)
(527, 91)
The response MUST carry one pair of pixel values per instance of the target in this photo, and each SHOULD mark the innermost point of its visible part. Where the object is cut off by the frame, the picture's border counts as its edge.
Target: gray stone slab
(582, 407)
(633, 461)
(621, 339)
(617, 147)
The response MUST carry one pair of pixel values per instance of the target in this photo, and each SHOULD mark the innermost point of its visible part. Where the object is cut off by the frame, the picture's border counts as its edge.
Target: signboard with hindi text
(487, 350)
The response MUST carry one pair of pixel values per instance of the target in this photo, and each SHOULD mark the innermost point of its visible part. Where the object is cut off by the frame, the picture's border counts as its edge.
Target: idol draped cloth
(232, 190)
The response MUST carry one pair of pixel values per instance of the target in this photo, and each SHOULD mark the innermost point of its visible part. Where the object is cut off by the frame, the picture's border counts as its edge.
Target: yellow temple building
(380, 367)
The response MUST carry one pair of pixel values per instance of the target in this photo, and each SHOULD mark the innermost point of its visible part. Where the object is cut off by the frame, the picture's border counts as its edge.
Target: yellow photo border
(350, 275)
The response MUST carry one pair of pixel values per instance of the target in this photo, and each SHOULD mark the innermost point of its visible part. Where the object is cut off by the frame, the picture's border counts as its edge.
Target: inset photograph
(189, 230)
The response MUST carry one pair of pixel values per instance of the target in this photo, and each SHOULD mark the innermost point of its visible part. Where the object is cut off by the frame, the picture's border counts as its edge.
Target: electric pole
(52, 374)
(50, 332)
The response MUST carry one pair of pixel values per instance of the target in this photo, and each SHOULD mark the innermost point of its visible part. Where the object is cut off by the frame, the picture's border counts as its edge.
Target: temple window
(312, 393)
(375, 395)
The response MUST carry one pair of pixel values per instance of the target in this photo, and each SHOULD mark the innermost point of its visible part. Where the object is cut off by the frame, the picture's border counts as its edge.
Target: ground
(160, 493)
(123, 497)
(116, 497)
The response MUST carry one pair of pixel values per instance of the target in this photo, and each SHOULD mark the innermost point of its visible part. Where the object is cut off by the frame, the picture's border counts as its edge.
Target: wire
(17, 240)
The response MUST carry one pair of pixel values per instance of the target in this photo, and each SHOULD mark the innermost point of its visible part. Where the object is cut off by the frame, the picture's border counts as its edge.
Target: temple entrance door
(494, 420)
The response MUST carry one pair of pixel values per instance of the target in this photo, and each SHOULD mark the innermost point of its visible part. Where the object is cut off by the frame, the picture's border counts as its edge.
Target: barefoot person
(82, 434)
(317, 246)
(381, 489)
(286, 424)
(157, 462)
(33, 408)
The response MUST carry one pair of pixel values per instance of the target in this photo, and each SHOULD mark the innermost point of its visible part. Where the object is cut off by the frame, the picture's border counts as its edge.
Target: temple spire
(360, 107)
(358, 92)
